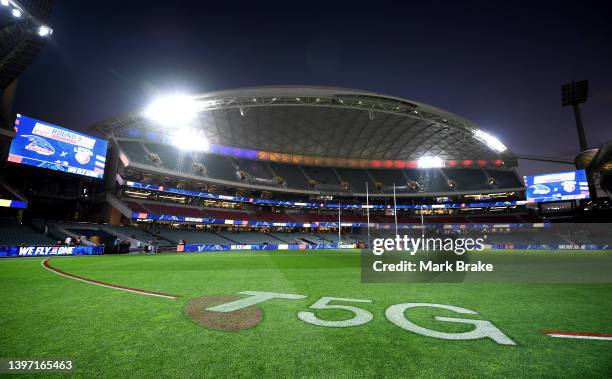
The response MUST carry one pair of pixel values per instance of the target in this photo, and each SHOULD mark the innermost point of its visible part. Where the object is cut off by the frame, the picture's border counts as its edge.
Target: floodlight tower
(574, 94)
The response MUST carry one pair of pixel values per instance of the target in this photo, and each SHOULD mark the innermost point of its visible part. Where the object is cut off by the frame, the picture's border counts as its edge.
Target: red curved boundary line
(582, 334)
(46, 264)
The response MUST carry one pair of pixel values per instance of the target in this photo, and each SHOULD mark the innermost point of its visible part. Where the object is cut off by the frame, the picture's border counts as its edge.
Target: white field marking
(256, 297)
(361, 315)
(101, 284)
(484, 329)
(579, 335)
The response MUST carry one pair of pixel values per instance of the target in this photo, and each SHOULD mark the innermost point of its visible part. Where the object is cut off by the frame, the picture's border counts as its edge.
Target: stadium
(274, 231)
(301, 158)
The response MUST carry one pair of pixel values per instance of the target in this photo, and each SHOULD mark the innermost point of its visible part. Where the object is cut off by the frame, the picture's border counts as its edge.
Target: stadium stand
(247, 237)
(356, 179)
(219, 167)
(322, 175)
(188, 211)
(292, 176)
(134, 151)
(505, 178)
(467, 179)
(277, 217)
(193, 236)
(127, 231)
(255, 169)
(326, 178)
(167, 154)
(136, 207)
(14, 233)
(389, 177)
(494, 219)
(302, 237)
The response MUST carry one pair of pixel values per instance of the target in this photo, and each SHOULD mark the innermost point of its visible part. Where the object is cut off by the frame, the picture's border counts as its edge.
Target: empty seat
(322, 175)
(292, 175)
(194, 236)
(388, 177)
(14, 233)
(134, 151)
(505, 179)
(356, 179)
(256, 169)
(219, 167)
(467, 179)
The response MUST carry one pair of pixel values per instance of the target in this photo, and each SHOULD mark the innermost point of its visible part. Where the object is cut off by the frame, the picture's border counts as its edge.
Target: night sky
(500, 64)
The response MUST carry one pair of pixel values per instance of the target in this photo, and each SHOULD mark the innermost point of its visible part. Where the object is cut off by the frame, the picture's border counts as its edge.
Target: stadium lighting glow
(175, 110)
(44, 31)
(492, 142)
(5, 3)
(189, 139)
(16, 13)
(430, 162)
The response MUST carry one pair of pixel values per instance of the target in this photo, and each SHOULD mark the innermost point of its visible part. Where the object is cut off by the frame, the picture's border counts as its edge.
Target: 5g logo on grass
(231, 313)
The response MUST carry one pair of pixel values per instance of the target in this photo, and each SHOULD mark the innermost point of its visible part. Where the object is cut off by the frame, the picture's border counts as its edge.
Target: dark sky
(500, 64)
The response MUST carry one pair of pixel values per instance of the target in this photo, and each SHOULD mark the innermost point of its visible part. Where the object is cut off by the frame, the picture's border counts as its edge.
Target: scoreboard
(558, 186)
(49, 146)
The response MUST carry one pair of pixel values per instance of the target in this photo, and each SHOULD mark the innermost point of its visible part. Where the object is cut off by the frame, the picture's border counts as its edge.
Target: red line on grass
(47, 266)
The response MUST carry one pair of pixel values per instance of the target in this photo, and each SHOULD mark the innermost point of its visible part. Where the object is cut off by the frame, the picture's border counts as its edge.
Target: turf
(112, 333)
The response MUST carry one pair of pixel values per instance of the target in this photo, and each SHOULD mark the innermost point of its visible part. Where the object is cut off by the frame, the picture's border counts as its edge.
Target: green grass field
(112, 333)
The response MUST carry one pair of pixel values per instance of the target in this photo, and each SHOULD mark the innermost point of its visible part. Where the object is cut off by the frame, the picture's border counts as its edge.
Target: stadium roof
(327, 122)
(19, 43)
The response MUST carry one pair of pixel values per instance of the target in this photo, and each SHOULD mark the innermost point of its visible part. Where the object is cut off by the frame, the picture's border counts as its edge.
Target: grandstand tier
(13, 232)
(311, 178)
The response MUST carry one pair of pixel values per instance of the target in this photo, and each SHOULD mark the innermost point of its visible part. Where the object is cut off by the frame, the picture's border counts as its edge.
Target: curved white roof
(328, 122)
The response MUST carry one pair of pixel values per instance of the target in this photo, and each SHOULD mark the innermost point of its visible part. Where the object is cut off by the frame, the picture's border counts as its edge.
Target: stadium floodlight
(430, 162)
(16, 13)
(44, 31)
(189, 139)
(492, 142)
(5, 3)
(175, 110)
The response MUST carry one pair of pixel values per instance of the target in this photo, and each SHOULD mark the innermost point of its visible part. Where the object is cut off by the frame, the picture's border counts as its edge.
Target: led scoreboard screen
(45, 145)
(557, 186)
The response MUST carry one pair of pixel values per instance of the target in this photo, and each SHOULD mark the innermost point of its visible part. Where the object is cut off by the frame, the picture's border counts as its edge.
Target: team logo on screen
(539, 189)
(569, 186)
(83, 156)
(39, 145)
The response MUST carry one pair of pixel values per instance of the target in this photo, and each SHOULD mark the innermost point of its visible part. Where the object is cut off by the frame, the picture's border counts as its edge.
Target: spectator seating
(356, 179)
(193, 236)
(293, 177)
(219, 167)
(505, 179)
(256, 169)
(467, 179)
(14, 233)
(388, 177)
(322, 175)
(134, 151)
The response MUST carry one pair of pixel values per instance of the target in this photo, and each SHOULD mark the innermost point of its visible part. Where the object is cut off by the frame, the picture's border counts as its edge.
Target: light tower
(574, 94)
